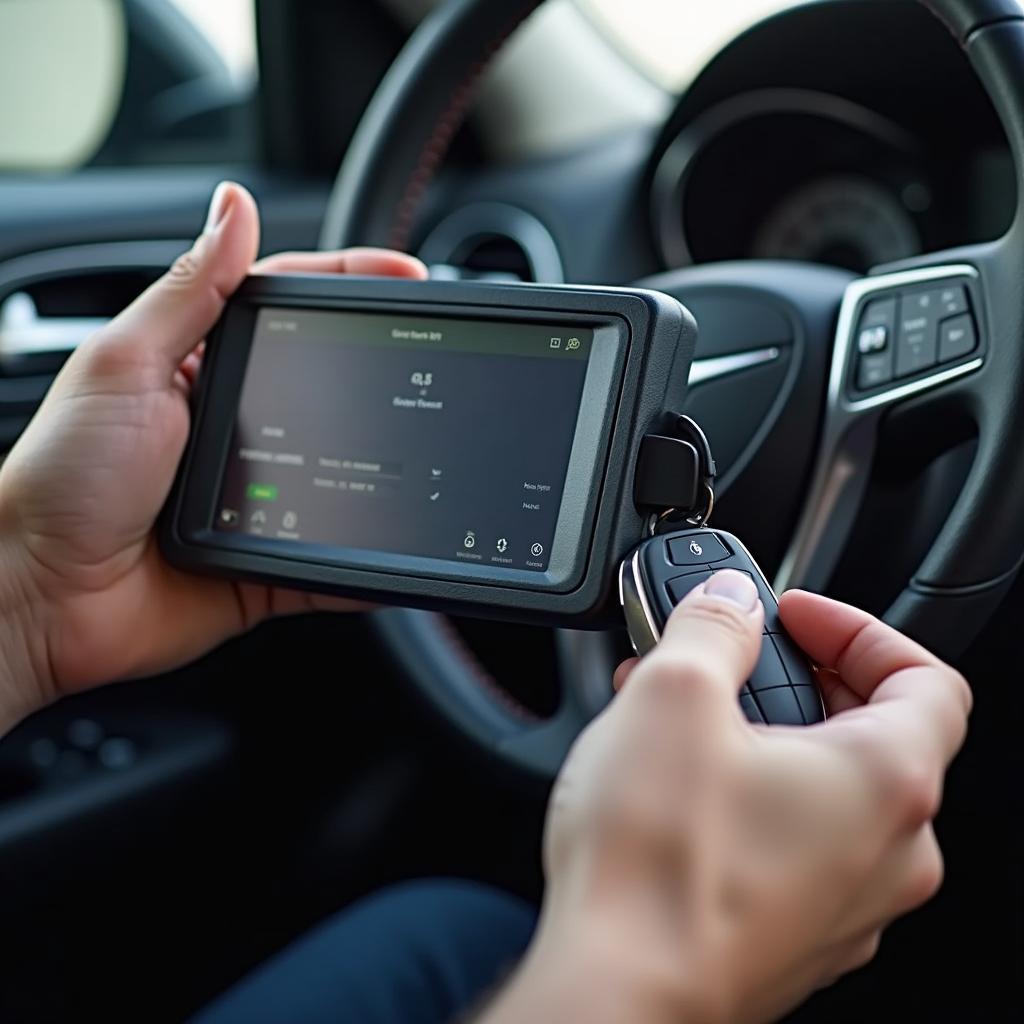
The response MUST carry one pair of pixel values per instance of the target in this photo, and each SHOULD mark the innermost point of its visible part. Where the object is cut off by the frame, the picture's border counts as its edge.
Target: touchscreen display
(406, 434)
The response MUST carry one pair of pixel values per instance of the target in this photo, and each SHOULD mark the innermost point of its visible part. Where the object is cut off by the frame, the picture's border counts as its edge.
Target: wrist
(23, 676)
(597, 973)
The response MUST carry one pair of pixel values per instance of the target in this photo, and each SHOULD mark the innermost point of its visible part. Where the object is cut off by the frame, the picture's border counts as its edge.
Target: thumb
(172, 316)
(712, 640)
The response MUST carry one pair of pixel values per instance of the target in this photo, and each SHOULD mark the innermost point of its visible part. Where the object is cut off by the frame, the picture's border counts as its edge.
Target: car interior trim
(704, 370)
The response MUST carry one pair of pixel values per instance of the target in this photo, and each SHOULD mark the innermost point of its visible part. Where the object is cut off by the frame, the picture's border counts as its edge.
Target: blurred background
(116, 82)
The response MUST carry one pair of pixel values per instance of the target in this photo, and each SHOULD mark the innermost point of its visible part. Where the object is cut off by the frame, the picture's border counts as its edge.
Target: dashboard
(846, 132)
(851, 133)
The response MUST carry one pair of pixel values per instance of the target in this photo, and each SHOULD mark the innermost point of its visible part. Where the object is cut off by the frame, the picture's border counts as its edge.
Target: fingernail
(220, 204)
(733, 586)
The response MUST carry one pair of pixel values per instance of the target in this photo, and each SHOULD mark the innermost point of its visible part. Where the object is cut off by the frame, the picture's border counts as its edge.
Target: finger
(173, 315)
(861, 649)
(837, 695)
(712, 639)
(623, 672)
(192, 363)
(363, 262)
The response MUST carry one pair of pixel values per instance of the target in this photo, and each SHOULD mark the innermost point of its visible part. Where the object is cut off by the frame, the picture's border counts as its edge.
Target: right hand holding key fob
(664, 569)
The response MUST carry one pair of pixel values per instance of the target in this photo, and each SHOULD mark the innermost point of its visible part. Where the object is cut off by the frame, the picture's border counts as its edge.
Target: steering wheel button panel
(907, 333)
(697, 552)
(938, 337)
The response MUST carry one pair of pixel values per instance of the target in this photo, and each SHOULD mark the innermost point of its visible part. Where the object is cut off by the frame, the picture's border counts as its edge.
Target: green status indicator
(261, 492)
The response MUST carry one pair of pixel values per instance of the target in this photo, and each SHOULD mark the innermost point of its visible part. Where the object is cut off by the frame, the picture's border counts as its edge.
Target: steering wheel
(975, 557)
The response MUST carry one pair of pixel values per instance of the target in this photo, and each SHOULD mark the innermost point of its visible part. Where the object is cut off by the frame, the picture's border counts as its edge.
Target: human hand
(85, 597)
(701, 869)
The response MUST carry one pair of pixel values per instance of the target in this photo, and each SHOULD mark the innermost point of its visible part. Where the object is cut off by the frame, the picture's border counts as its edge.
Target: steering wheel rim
(399, 145)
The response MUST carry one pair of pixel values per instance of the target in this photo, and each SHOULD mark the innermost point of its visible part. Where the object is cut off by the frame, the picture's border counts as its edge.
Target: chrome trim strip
(703, 370)
(848, 438)
(633, 599)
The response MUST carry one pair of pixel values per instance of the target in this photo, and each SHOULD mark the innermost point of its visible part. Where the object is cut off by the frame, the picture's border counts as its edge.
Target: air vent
(492, 241)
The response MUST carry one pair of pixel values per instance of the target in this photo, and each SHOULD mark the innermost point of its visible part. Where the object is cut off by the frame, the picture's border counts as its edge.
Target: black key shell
(782, 689)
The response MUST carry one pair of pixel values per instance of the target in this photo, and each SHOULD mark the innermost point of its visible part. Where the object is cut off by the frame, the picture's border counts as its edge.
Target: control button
(697, 550)
(502, 546)
(749, 707)
(85, 734)
(917, 337)
(780, 706)
(228, 517)
(953, 300)
(810, 704)
(879, 313)
(796, 664)
(290, 520)
(469, 541)
(262, 492)
(872, 339)
(956, 338)
(434, 496)
(555, 343)
(258, 518)
(874, 370)
(536, 549)
(768, 672)
(118, 753)
(772, 624)
(875, 333)
(679, 587)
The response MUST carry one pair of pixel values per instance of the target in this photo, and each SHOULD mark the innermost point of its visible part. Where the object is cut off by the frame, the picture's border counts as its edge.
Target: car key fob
(782, 689)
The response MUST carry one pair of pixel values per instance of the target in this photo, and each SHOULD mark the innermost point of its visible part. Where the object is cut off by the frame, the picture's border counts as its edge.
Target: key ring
(698, 519)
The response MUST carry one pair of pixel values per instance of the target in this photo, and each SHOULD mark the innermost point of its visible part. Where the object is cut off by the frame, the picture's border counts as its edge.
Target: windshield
(671, 40)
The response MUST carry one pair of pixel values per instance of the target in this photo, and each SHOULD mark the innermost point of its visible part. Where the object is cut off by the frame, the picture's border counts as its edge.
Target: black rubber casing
(659, 336)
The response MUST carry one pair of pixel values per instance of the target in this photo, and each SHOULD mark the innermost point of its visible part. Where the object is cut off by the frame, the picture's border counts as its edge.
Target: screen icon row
(469, 542)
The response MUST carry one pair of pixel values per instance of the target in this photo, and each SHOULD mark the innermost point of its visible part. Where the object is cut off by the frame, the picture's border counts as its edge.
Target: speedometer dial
(844, 221)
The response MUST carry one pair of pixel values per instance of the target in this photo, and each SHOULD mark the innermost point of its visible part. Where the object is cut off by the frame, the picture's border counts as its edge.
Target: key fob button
(810, 704)
(780, 706)
(679, 587)
(772, 623)
(799, 672)
(768, 672)
(697, 550)
(749, 707)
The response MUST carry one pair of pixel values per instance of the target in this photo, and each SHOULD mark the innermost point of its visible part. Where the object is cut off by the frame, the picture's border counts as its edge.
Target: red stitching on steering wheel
(440, 140)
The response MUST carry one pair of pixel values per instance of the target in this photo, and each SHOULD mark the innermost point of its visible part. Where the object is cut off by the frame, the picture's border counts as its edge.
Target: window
(671, 40)
(125, 82)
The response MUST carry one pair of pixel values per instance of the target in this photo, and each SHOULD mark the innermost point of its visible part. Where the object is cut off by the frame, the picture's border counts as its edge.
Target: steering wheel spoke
(899, 336)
